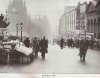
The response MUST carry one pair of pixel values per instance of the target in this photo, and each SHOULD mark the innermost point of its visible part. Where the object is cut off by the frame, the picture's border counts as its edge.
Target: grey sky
(52, 8)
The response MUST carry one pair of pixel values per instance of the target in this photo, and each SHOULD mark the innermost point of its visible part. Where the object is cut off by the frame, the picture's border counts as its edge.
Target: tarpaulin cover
(21, 48)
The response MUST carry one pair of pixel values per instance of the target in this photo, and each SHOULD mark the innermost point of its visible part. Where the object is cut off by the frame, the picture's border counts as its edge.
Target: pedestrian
(43, 47)
(36, 46)
(68, 42)
(71, 43)
(92, 44)
(1, 18)
(62, 43)
(83, 49)
(27, 42)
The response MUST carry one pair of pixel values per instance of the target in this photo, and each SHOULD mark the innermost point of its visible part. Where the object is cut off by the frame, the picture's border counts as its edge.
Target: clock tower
(17, 13)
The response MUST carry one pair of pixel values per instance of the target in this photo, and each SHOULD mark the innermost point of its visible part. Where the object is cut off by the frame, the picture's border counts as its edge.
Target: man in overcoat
(83, 49)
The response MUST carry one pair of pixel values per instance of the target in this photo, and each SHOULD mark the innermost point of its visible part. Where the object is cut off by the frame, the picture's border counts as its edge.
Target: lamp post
(6, 14)
(21, 25)
(85, 32)
(17, 29)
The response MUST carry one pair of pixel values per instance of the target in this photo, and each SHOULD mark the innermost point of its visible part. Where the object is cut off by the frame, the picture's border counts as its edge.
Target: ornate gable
(91, 7)
(98, 4)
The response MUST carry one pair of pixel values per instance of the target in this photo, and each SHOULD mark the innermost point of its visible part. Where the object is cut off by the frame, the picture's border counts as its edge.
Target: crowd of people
(71, 43)
(38, 45)
(83, 45)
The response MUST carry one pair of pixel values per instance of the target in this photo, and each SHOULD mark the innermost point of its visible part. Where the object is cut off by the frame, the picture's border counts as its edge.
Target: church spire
(24, 3)
(17, 2)
(10, 2)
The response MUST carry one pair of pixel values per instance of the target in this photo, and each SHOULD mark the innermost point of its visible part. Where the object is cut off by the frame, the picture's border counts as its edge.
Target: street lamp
(17, 29)
(21, 25)
(85, 32)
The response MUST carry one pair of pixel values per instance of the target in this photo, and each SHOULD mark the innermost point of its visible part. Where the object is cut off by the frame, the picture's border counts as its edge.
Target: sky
(53, 9)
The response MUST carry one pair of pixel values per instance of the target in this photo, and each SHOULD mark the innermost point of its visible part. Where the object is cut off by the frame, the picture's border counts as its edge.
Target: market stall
(25, 55)
(15, 52)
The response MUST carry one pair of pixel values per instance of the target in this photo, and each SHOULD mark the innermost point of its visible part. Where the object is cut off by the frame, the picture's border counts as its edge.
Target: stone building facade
(93, 18)
(62, 29)
(67, 22)
(83, 19)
